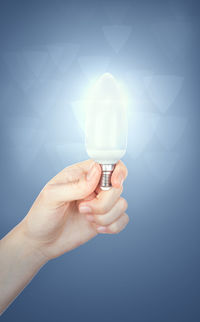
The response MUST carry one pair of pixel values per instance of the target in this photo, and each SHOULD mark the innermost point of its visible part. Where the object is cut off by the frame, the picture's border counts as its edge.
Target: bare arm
(68, 212)
(19, 262)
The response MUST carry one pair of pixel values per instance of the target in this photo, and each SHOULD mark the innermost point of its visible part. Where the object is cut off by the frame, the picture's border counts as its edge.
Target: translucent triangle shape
(93, 66)
(116, 12)
(71, 153)
(63, 55)
(134, 80)
(142, 127)
(163, 90)
(117, 36)
(18, 67)
(35, 60)
(43, 95)
(169, 130)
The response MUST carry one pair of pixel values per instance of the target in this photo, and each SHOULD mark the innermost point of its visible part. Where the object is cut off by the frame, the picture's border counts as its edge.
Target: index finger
(72, 172)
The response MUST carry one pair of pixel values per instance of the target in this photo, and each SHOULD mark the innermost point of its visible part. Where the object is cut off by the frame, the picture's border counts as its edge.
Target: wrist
(27, 249)
(20, 261)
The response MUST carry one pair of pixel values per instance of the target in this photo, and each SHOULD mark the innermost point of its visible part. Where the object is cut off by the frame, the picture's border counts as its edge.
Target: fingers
(103, 202)
(106, 219)
(119, 174)
(73, 172)
(114, 228)
(106, 210)
(113, 219)
(79, 184)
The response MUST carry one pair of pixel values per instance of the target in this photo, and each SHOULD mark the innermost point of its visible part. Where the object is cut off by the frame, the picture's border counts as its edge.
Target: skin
(69, 211)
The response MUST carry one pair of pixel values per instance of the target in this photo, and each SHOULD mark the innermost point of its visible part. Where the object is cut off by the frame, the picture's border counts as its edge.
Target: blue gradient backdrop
(50, 51)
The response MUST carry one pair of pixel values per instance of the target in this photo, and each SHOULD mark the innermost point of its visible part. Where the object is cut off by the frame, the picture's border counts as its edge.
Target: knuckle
(124, 168)
(116, 192)
(100, 219)
(103, 208)
(44, 194)
(127, 218)
(124, 204)
(114, 228)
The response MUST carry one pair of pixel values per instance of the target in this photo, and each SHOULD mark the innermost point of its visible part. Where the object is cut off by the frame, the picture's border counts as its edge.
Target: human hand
(71, 209)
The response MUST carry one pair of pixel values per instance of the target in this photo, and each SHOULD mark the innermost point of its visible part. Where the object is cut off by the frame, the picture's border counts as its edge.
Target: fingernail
(102, 229)
(84, 209)
(92, 172)
(90, 218)
(120, 179)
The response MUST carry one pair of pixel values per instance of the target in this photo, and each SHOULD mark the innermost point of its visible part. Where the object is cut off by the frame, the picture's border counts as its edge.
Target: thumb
(81, 186)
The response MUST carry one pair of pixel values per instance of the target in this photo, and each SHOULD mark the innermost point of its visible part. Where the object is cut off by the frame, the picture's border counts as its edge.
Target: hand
(71, 209)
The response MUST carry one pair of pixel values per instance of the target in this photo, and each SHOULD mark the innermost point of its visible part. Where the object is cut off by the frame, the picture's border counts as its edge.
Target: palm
(55, 224)
(74, 230)
(60, 229)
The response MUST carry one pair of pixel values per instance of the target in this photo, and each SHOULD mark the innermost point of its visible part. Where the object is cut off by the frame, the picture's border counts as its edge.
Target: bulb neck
(105, 181)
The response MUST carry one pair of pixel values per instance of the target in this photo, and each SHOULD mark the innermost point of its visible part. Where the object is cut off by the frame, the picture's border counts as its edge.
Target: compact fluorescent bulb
(106, 125)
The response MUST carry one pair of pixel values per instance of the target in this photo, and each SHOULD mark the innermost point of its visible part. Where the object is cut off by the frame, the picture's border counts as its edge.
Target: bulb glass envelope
(106, 121)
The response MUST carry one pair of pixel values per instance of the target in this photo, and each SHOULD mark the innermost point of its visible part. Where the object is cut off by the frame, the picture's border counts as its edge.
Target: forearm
(19, 262)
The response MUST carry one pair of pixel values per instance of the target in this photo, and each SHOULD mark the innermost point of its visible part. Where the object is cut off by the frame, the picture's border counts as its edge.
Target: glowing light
(106, 124)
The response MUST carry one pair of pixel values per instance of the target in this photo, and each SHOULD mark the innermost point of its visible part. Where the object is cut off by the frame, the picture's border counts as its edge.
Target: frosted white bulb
(106, 125)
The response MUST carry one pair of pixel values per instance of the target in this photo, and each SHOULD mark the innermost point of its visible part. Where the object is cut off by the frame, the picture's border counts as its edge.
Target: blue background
(50, 51)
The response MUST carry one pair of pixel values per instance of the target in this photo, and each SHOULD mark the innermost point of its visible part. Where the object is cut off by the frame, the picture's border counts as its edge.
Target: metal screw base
(105, 181)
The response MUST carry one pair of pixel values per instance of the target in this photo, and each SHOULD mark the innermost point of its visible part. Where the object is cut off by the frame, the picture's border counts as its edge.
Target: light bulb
(106, 125)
